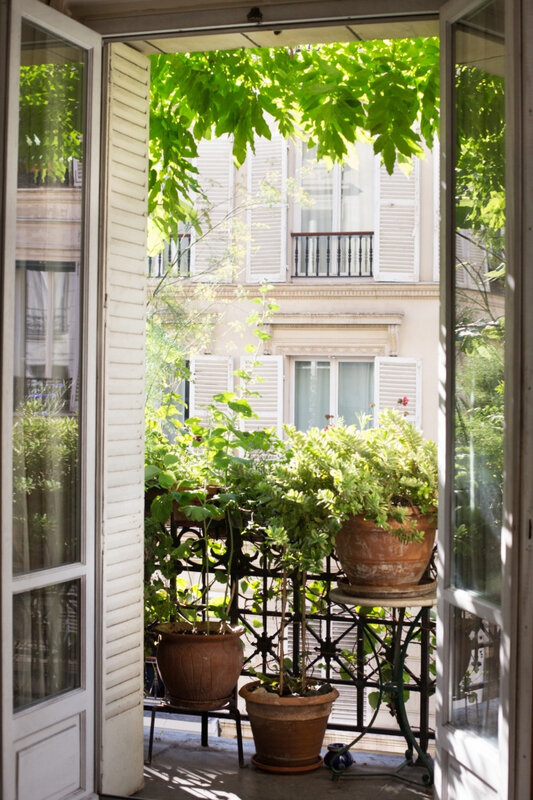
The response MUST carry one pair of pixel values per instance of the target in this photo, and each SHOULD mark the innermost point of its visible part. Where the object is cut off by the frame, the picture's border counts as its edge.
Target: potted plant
(291, 518)
(387, 494)
(189, 521)
(189, 518)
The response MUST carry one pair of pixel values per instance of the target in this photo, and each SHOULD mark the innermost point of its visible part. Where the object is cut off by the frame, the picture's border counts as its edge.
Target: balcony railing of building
(175, 257)
(337, 254)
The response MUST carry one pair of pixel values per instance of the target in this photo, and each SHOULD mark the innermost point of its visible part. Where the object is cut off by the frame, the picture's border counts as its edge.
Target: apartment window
(336, 225)
(329, 389)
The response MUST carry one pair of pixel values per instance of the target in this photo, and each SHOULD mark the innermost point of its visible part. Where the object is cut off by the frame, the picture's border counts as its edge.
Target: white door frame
(39, 730)
(493, 764)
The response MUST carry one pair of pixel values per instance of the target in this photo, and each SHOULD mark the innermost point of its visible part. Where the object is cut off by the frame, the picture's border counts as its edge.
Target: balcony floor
(181, 768)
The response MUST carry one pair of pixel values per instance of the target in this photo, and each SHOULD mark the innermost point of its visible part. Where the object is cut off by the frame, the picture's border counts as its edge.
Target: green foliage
(45, 485)
(51, 119)
(327, 475)
(329, 95)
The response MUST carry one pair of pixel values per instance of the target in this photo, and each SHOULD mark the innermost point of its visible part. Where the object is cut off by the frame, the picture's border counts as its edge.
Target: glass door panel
(479, 303)
(49, 272)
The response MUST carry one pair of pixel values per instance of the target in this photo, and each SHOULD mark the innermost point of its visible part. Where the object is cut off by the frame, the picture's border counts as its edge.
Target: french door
(48, 407)
(476, 522)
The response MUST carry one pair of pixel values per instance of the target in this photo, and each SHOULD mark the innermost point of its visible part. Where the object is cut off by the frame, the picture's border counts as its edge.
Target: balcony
(337, 254)
(174, 258)
(339, 652)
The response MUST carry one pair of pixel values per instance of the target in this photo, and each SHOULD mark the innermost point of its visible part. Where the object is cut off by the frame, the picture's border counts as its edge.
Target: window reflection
(479, 302)
(46, 636)
(47, 318)
(475, 674)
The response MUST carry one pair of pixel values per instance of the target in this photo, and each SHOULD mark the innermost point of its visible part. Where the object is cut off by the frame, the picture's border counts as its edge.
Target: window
(336, 225)
(341, 198)
(331, 387)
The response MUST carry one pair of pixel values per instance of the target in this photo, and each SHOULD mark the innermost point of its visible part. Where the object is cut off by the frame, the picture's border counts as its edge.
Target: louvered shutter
(210, 251)
(267, 381)
(394, 379)
(210, 375)
(122, 539)
(397, 246)
(266, 255)
(470, 261)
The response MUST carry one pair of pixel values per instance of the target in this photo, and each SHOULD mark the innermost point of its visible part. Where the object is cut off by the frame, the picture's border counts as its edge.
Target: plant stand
(403, 634)
(155, 705)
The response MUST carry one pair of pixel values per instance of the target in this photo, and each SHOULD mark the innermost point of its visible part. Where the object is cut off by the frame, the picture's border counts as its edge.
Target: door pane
(46, 637)
(312, 398)
(475, 674)
(49, 267)
(479, 300)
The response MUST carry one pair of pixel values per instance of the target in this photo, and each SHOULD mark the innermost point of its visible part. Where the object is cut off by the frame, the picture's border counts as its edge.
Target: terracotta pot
(199, 670)
(288, 731)
(372, 556)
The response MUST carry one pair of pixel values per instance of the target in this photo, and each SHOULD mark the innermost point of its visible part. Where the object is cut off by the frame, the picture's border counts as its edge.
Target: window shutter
(211, 250)
(210, 375)
(266, 255)
(396, 378)
(470, 262)
(267, 380)
(122, 506)
(397, 246)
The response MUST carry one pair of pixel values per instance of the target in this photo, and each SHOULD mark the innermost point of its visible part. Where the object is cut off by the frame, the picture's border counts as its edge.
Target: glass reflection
(46, 637)
(479, 304)
(47, 303)
(475, 675)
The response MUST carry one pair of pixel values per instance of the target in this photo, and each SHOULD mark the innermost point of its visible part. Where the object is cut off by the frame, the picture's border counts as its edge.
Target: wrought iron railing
(338, 637)
(175, 258)
(344, 254)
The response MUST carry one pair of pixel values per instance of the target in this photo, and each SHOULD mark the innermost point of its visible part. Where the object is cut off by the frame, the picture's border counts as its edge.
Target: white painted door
(48, 407)
(475, 524)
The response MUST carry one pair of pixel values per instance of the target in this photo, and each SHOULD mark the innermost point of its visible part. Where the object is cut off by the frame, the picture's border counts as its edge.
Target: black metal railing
(338, 254)
(338, 649)
(175, 257)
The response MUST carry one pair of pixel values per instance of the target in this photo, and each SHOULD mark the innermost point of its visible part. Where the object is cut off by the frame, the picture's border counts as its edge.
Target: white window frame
(333, 383)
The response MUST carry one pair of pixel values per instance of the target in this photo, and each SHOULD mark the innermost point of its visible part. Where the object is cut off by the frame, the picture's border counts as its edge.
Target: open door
(48, 407)
(474, 526)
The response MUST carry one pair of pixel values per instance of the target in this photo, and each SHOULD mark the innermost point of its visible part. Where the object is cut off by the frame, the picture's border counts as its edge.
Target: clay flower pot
(199, 666)
(373, 557)
(288, 731)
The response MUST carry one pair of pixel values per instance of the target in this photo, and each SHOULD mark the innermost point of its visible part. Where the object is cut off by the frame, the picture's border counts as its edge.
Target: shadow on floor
(181, 768)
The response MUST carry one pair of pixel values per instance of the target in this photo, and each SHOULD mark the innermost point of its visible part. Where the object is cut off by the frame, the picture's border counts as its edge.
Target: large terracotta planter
(288, 731)
(199, 670)
(373, 557)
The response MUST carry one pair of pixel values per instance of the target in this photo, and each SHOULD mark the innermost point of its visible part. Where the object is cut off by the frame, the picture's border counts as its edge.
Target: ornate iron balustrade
(339, 651)
(175, 258)
(338, 254)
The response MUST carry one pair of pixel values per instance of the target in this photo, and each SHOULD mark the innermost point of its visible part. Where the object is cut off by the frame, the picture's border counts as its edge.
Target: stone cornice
(323, 291)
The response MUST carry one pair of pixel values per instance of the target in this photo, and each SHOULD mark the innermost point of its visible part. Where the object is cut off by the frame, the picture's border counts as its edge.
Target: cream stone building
(351, 254)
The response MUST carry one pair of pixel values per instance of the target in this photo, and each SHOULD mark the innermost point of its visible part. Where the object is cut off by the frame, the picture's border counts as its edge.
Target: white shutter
(470, 262)
(267, 381)
(394, 379)
(397, 246)
(210, 375)
(122, 540)
(266, 255)
(210, 251)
